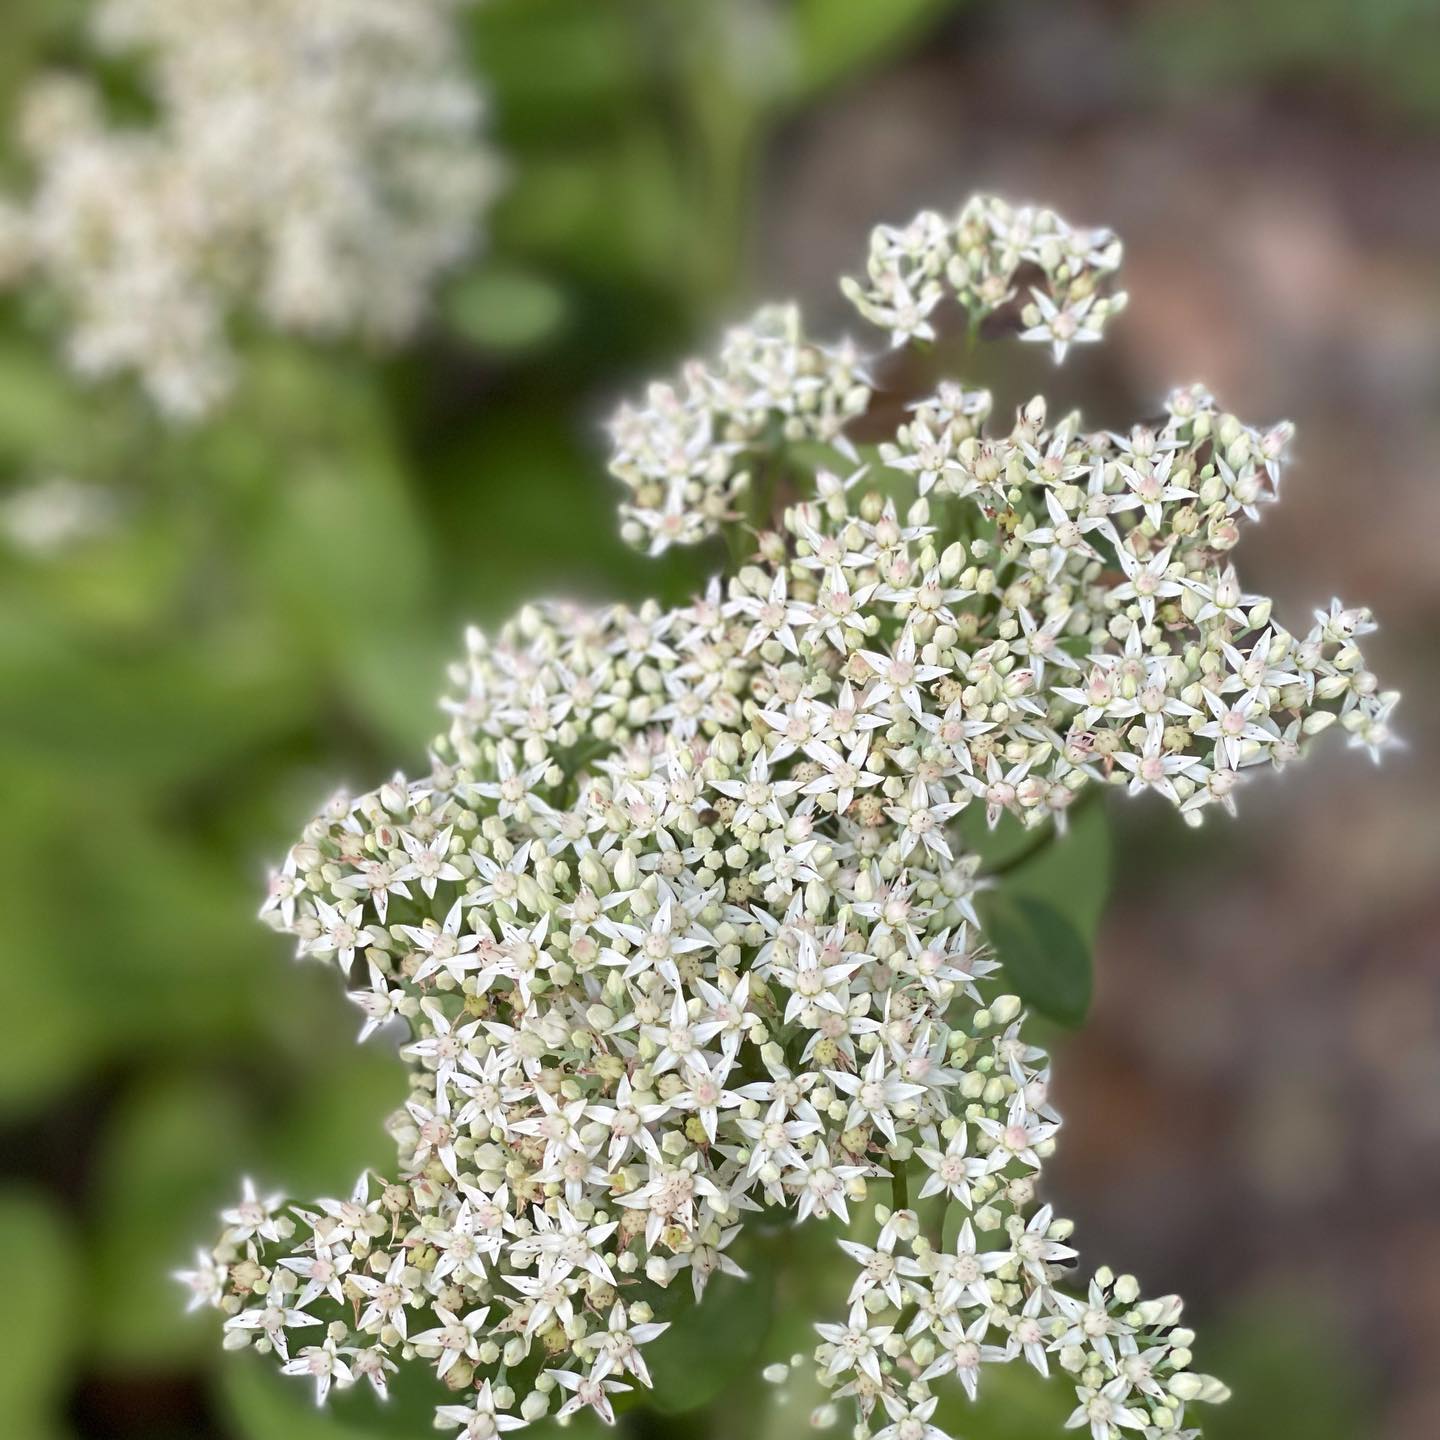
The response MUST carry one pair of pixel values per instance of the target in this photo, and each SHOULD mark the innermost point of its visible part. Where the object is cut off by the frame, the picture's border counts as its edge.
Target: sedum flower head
(317, 160)
(683, 927)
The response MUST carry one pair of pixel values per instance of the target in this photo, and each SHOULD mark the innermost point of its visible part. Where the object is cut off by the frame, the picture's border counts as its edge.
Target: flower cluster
(317, 158)
(684, 453)
(1049, 278)
(969, 1304)
(683, 927)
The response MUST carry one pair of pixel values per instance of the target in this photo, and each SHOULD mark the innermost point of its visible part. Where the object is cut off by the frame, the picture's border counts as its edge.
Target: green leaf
(51, 1029)
(335, 1126)
(614, 213)
(1287, 1359)
(836, 37)
(139, 936)
(998, 847)
(505, 308)
(527, 483)
(50, 1032)
(263, 1404)
(343, 553)
(1072, 873)
(710, 1345)
(171, 1157)
(38, 1320)
(174, 1153)
(557, 67)
(1044, 957)
(393, 676)
(166, 714)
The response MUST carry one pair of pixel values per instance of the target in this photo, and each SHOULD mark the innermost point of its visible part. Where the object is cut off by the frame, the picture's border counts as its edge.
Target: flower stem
(899, 1187)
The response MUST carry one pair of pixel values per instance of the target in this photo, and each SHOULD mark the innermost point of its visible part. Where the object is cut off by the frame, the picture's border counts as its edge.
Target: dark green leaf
(998, 847)
(1285, 1357)
(557, 66)
(1072, 873)
(1044, 957)
(710, 1345)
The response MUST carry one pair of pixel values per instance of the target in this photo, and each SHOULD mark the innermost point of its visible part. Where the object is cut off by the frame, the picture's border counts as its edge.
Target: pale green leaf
(505, 308)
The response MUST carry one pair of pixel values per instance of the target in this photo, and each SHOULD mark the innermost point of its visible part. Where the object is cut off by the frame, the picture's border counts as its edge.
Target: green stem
(763, 484)
(899, 1187)
(972, 337)
(737, 544)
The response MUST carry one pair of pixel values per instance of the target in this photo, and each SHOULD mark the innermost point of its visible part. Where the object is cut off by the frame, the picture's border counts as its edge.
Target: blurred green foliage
(40, 1321)
(1386, 48)
(267, 615)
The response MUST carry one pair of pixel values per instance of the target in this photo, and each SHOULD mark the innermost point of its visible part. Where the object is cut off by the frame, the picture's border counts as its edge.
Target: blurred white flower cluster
(49, 516)
(683, 926)
(317, 161)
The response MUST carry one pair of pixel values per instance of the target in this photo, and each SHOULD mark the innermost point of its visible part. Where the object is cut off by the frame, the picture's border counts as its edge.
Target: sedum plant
(681, 914)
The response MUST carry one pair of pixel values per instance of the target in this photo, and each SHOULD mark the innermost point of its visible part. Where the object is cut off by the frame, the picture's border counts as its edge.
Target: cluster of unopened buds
(679, 916)
(315, 161)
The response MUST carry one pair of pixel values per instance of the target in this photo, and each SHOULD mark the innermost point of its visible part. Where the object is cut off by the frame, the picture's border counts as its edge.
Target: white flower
(446, 948)
(823, 1185)
(588, 1391)
(322, 1363)
(874, 1093)
(254, 1215)
(480, 1419)
(51, 516)
(910, 1421)
(619, 1346)
(855, 1345)
(273, 1321)
(878, 1270)
(1105, 1412)
(206, 1282)
(1036, 1250)
(453, 1336)
(387, 1295)
(953, 1170)
(963, 1351)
